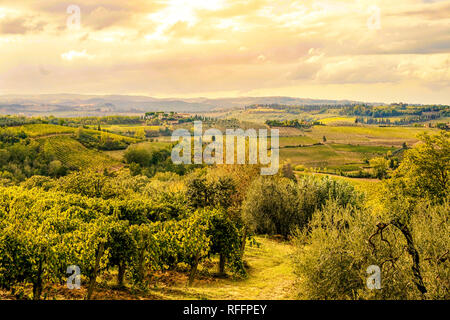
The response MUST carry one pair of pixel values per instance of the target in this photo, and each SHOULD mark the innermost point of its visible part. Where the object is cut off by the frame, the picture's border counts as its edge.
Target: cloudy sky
(385, 50)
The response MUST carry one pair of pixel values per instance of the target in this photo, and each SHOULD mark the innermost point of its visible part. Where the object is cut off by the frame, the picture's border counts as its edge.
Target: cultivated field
(368, 135)
(74, 155)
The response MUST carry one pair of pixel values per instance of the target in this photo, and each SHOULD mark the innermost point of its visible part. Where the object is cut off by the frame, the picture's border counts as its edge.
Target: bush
(43, 182)
(334, 252)
(279, 206)
(272, 206)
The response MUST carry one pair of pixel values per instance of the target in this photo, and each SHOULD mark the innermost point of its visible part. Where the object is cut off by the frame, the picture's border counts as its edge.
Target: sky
(366, 50)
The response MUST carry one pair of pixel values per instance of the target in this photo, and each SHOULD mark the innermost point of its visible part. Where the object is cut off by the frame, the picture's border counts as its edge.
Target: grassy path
(270, 277)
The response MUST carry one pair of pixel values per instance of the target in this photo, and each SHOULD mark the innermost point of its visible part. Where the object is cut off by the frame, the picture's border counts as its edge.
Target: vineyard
(43, 130)
(79, 156)
(138, 227)
(225, 154)
(39, 130)
(112, 136)
(42, 233)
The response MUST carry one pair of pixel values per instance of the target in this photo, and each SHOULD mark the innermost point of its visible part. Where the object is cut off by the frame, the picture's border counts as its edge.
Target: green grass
(313, 156)
(333, 120)
(344, 157)
(270, 277)
(368, 135)
(153, 145)
(296, 141)
(347, 167)
(362, 149)
(115, 154)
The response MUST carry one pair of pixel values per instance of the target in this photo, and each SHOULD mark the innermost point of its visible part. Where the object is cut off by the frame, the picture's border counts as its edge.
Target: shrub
(334, 252)
(278, 206)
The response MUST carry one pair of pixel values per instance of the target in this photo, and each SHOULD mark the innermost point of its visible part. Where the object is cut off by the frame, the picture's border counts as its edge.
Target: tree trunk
(193, 270)
(414, 255)
(141, 266)
(37, 285)
(93, 277)
(121, 274)
(222, 261)
(244, 240)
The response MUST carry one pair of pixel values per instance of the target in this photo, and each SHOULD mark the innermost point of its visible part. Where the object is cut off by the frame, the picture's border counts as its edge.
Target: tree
(424, 171)
(198, 191)
(122, 248)
(216, 192)
(138, 155)
(287, 172)
(140, 133)
(333, 254)
(279, 206)
(225, 241)
(56, 168)
(272, 206)
(380, 167)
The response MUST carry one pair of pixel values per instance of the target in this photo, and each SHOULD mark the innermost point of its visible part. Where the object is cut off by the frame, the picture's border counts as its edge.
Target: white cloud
(261, 58)
(188, 46)
(73, 55)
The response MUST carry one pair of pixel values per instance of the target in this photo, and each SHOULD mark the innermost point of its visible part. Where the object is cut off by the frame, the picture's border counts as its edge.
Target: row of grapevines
(42, 233)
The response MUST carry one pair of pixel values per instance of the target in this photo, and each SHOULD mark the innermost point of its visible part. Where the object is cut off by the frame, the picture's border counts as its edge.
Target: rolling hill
(96, 105)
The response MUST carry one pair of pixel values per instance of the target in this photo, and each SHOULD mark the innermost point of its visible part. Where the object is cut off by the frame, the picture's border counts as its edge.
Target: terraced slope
(74, 155)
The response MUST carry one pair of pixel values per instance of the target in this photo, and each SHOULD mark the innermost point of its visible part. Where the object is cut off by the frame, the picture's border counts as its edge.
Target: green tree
(122, 248)
(279, 205)
(424, 171)
(140, 133)
(380, 167)
(56, 168)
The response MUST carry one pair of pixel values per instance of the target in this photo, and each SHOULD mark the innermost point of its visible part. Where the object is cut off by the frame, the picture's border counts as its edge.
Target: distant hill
(93, 105)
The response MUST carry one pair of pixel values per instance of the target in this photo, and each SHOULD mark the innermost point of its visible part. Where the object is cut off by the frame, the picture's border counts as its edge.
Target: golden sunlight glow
(374, 50)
